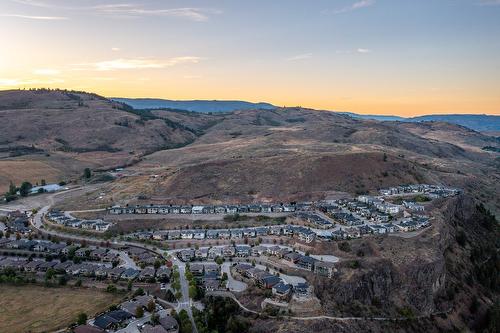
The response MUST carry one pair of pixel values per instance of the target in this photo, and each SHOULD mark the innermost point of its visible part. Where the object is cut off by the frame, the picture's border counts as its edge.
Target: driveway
(232, 284)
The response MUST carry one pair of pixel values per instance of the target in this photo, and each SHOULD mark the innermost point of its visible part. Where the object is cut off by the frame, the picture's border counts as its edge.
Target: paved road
(185, 302)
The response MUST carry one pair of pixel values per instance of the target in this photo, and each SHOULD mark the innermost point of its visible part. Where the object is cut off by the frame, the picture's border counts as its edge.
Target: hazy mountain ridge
(477, 122)
(204, 106)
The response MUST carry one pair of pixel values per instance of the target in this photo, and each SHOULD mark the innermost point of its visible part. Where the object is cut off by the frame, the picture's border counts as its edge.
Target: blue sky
(368, 56)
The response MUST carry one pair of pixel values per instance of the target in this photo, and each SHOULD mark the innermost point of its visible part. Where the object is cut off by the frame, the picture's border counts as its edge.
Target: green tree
(12, 189)
(87, 173)
(25, 188)
(139, 312)
(151, 306)
(111, 288)
(81, 319)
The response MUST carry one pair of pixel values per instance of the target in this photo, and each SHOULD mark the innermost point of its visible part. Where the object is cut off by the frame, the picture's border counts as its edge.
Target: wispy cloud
(361, 50)
(131, 10)
(139, 63)
(135, 10)
(297, 57)
(358, 50)
(354, 6)
(34, 17)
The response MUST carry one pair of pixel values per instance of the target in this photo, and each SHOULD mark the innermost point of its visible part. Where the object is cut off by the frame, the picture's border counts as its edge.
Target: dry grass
(18, 171)
(40, 309)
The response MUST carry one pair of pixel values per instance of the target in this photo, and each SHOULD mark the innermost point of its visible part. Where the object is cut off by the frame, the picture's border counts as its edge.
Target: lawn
(40, 309)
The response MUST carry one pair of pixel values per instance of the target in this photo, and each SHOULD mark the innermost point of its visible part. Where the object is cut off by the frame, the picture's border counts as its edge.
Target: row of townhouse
(62, 219)
(435, 191)
(315, 219)
(304, 234)
(86, 269)
(61, 249)
(201, 209)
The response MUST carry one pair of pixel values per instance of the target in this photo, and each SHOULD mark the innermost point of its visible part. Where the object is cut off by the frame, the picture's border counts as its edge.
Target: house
(277, 208)
(197, 209)
(160, 235)
(83, 252)
(275, 231)
(186, 209)
(130, 274)
(224, 234)
(46, 265)
(211, 285)
(201, 253)
(282, 252)
(306, 235)
(174, 234)
(163, 273)
(273, 250)
(377, 229)
(175, 209)
(258, 250)
(111, 319)
(254, 208)
(102, 271)
(243, 250)
(236, 233)
(169, 324)
(292, 257)
(269, 281)
(248, 232)
(228, 251)
(306, 262)
(199, 234)
(147, 273)
(214, 252)
(231, 209)
(196, 269)
(147, 328)
(261, 231)
(87, 329)
(288, 208)
(242, 268)
(187, 234)
(220, 210)
(116, 273)
(301, 289)
(281, 290)
(98, 253)
(211, 268)
(324, 268)
(266, 209)
(212, 234)
(186, 255)
(32, 266)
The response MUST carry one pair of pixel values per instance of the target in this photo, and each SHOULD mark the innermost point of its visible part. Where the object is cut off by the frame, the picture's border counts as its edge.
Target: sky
(399, 57)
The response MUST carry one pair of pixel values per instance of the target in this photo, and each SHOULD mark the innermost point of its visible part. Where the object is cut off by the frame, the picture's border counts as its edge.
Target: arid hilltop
(247, 155)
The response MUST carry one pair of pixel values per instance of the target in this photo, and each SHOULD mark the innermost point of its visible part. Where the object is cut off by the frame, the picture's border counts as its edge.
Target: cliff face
(451, 269)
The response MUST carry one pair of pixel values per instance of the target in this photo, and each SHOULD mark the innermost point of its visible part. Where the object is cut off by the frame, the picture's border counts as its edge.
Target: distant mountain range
(477, 122)
(204, 106)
